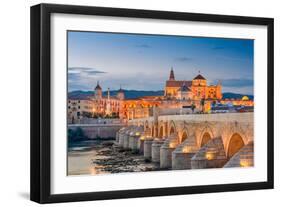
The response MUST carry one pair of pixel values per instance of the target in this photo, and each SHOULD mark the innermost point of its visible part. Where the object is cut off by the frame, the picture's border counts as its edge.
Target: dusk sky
(143, 62)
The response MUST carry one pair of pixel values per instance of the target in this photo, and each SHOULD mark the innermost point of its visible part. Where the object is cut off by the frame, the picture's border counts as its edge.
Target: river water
(94, 157)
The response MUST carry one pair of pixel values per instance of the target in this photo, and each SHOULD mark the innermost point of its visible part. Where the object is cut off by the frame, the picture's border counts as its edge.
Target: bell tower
(98, 91)
(120, 94)
(172, 75)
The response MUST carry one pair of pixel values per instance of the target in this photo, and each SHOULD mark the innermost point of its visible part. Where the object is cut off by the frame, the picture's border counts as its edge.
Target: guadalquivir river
(94, 157)
(80, 157)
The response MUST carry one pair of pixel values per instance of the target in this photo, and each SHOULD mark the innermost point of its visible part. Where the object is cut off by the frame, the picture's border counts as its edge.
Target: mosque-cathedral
(180, 96)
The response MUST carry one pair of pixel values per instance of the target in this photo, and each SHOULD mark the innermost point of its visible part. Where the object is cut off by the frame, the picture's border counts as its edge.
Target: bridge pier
(243, 158)
(181, 160)
(133, 141)
(140, 146)
(181, 156)
(166, 150)
(126, 139)
(147, 149)
(155, 148)
(120, 135)
(211, 155)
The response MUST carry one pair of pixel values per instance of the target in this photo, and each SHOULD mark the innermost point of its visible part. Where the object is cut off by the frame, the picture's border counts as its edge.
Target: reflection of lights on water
(96, 169)
(93, 171)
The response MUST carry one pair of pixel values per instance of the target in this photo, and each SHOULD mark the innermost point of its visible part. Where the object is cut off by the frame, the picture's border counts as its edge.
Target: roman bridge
(193, 140)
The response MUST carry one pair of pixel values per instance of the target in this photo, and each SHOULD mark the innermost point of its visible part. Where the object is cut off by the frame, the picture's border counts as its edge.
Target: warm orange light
(172, 145)
(209, 156)
(246, 162)
(186, 149)
(211, 153)
(94, 171)
(142, 138)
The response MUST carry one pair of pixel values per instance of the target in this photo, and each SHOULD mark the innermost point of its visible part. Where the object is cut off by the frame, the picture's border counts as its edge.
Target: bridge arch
(172, 128)
(236, 142)
(161, 131)
(184, 136)
(146, 125)
(205, 136)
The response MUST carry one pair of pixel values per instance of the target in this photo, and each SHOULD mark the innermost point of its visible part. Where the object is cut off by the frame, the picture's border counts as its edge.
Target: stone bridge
(193, 140)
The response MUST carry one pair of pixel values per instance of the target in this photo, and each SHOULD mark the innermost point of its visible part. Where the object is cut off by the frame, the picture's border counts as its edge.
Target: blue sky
(143, 62)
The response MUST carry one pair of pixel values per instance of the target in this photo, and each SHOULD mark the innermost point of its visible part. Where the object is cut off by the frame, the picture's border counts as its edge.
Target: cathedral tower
(172, 76)
(98, 91)
(120, 94)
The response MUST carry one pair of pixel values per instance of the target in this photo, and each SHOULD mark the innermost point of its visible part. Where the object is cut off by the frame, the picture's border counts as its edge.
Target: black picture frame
(41, 98)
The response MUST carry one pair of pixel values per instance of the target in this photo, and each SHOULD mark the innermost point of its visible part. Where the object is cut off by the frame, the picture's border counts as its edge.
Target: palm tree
(202, 103)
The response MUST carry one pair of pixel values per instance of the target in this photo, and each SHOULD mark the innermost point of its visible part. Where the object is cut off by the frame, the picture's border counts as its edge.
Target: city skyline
(143, 62)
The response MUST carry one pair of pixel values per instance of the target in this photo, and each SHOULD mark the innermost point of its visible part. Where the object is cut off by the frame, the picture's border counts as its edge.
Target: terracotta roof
(178, 83)
(199, 77)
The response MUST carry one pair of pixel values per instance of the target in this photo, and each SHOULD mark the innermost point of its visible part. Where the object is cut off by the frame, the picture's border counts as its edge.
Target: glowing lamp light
(186, 149)
(246, 161)
(172, 145)
(211, 154)
(142, 138)
(137, 134)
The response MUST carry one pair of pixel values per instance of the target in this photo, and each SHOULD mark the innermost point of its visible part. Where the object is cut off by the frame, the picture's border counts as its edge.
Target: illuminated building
(180, 96)
(196, 89)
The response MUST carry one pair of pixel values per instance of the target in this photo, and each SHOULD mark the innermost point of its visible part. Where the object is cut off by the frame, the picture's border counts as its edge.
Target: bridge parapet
(221, 117)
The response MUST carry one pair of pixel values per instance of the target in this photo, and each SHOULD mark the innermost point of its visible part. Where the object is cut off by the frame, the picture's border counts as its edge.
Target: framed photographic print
(132, 103)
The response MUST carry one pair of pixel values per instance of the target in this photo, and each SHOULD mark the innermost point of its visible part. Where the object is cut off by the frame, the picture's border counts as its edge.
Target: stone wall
(98, 131)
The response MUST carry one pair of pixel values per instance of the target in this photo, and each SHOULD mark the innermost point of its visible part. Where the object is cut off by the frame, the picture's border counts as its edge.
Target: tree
(192, 107)
(75, 135)
(202, 103)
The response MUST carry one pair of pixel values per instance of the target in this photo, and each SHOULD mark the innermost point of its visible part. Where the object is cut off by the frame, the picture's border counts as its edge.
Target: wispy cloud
(82, 77)
(183, 59)
(79, 70)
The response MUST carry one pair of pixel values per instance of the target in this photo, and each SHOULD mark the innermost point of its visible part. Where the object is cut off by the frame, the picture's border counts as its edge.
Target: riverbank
(105, 157)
